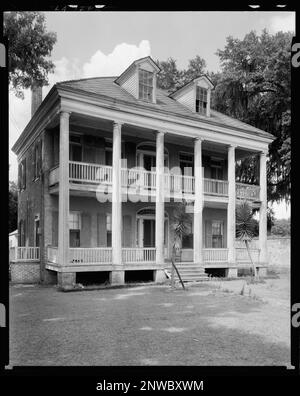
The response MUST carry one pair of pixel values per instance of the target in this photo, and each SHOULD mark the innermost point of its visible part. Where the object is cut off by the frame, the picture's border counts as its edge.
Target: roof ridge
(84, 79)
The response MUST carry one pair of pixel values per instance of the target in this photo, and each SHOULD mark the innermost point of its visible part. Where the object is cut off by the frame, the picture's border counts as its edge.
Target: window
(186, 163)
(108, 230)
(21, 232)
(37, 160)
(187, 240)
(22, 175)
(74, 221)
(217, 234)
(216, 169)
(75, 148)
(201, 100)
(145, 85)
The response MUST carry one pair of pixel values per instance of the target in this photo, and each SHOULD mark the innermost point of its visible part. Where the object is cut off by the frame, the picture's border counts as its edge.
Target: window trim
(200, 100)
(145, 86)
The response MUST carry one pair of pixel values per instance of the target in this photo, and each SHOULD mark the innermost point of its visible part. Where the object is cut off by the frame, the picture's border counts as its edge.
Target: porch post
(116, 197)
(198, 205)
(263, 257)
(160, 199)
(63, 198)
(231, 205)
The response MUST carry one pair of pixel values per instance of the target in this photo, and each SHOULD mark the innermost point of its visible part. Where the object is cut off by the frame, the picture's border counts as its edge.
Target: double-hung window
(145, 85)
(201, 101)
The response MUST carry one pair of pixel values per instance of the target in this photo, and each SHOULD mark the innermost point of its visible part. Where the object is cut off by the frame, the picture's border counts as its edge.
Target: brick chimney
(36, 97)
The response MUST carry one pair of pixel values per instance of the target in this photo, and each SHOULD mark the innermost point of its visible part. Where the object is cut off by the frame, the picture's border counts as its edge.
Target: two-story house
(104, 161)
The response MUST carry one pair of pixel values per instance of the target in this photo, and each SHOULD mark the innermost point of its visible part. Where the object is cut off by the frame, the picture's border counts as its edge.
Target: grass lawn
(209, 324)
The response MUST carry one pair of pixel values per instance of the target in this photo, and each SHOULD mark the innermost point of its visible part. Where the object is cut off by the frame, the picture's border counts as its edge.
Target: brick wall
(25, 272)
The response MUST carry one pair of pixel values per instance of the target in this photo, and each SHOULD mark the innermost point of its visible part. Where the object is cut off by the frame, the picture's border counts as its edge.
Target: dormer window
(145, 85)
(139, 79)
(195, 95)
(201, 100)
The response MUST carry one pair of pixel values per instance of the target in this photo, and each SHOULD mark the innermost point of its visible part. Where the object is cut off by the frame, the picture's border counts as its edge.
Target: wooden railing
(139, 178)
(90, 255)
(215, 187)
(179, 183)
(213, 255)
(135, 255)
(241, 255)
(90, 173)
(247, 191)
(24, 253)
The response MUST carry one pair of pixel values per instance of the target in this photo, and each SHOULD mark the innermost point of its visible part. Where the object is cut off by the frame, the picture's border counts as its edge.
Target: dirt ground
(208, 324)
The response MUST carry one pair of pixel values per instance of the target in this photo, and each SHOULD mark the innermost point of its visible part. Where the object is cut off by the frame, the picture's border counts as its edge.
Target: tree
(12, 207)
(30, 46)
(180, 222)
(171, 79)
(281, 227)
(254, 87)
(245, 227)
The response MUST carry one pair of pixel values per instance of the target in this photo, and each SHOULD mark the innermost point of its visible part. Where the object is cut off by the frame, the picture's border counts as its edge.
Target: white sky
(104, 44)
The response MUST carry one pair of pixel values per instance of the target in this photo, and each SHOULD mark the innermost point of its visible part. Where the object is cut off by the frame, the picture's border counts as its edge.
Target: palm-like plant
(180, 221)
(245, 228)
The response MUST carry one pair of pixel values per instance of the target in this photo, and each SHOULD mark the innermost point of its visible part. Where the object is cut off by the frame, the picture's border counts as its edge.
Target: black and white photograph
(149, 188)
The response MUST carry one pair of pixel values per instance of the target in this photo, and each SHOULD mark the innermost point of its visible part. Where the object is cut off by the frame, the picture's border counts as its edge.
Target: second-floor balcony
(140, 181)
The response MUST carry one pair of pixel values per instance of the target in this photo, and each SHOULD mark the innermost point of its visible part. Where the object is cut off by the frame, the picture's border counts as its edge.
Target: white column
(263, 258)
(198, 205)
(160, 199)
(116, 197)
(231, 205)
(63, 198)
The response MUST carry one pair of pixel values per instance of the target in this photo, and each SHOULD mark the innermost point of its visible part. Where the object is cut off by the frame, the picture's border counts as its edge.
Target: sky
(92, 44)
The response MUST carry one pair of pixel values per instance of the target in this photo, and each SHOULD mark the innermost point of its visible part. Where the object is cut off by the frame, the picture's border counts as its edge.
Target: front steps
(189, 272)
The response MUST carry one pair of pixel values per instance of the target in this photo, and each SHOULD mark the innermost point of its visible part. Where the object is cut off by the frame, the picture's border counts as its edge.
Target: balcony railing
(103, 255)
(214, 255)
(135, 255)
(216, 187)
(247, 191)
(24, 253)
(140, 179)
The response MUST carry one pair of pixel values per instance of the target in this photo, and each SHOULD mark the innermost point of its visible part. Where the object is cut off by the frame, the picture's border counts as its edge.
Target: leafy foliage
(245, 223)
(30, 46)
(254, 87)
(180, 223)
(12, 207)
(282, 227)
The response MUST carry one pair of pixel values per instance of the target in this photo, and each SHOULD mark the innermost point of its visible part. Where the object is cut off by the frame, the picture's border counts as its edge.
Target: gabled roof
(134, 64)
(189, 84)
(106, 88)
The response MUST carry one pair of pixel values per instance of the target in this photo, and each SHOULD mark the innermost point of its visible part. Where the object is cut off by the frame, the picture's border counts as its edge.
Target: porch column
(198, 205)
(63, 198)
(116, 196)
(160, 199)
(231, 205)
(263, 257)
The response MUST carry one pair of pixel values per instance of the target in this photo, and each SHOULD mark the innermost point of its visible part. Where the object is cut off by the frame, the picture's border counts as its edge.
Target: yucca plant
(180, 222)
(245, 228)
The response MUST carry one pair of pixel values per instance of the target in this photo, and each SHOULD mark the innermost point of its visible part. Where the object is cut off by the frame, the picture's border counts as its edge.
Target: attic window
(201, 101)
(145, 85)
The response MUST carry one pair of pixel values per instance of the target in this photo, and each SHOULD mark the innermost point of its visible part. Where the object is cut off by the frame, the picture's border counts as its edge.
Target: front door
(149, 233)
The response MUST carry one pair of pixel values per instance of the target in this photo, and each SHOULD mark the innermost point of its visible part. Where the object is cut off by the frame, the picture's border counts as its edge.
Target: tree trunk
(175, 268)
(252, 263)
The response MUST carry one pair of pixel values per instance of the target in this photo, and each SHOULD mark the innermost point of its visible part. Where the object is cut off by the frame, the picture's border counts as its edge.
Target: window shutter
(33, 163)
(85, 232)
(101, 230)
(55, 228)
(208, 234)
(127, 231)
(19, 176)
(24, 173)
